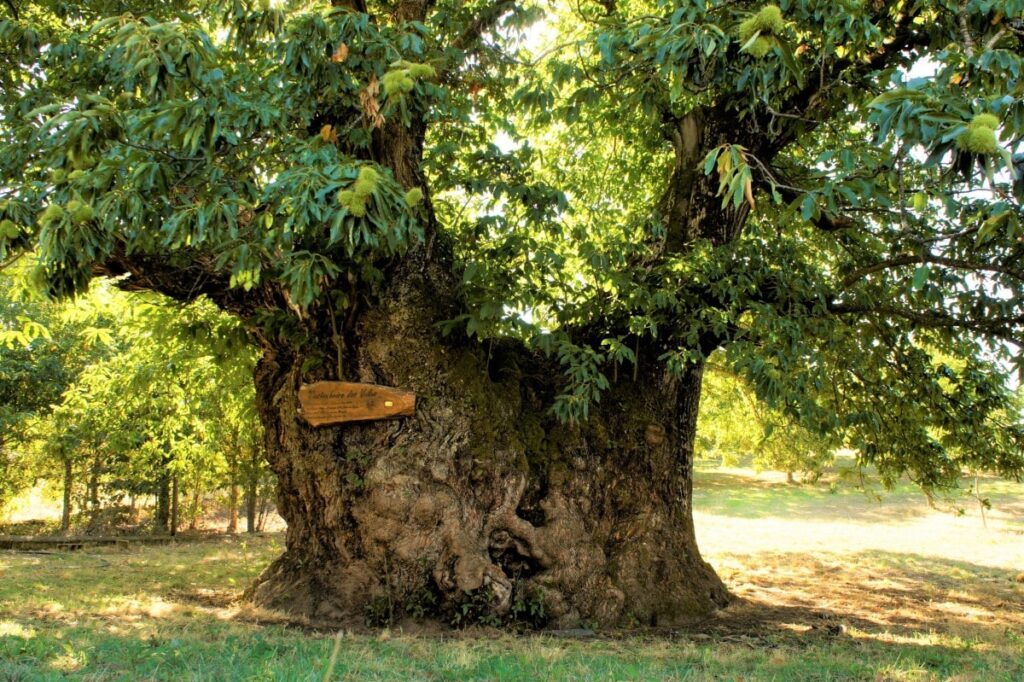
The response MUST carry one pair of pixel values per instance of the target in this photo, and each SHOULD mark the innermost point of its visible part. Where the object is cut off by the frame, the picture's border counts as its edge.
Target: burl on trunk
(481, 506)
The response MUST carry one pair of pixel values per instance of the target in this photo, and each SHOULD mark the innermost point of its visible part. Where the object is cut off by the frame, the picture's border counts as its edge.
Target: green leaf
(920, 277)
(790, 62)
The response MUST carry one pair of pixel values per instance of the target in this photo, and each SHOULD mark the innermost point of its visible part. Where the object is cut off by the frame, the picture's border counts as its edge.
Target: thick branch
(354, 5)
(965, 30)
(412, 10)
(931, 259)
(803, 111)
(998, 327)
(484, 22)
(184, 279)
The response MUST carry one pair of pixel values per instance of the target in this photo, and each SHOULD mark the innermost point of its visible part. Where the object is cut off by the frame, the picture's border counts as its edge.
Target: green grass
(167, 613)
(124, 632)
(274, 654)
(741, 493)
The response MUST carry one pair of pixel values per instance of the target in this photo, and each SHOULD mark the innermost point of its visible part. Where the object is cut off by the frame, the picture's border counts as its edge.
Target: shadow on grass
(226, 652)
(86, 653)
(873, 594)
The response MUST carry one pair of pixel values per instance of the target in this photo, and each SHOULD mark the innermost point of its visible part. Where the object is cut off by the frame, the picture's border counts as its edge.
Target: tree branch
(412, 10)
(826, 222)
(182, 277)
(484, 21)
(965, 30)
(354, 5)
(994, 40)
(807, 108)
(935, 319)
(930, 259)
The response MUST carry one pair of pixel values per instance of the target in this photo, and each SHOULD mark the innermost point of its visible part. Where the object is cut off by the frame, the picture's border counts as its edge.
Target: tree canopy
(830, 192)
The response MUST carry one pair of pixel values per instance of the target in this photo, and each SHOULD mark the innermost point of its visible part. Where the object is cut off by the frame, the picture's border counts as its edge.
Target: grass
(738, 510)
(740, 492)
(833, 586)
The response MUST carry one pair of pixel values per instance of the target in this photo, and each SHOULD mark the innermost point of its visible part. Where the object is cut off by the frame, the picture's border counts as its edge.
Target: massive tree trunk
(482, 506)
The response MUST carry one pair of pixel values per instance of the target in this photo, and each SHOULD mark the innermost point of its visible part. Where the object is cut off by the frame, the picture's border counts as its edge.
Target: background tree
(41, 354)
(25, 384)
(118, 395)
(672, 179)
(737, 429)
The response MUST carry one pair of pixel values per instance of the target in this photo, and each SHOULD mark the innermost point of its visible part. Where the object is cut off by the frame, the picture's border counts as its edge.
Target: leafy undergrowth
(883, 609)
(30, 527)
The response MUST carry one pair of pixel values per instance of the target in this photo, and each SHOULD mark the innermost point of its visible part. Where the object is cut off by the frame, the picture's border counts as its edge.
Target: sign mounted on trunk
(336, 402)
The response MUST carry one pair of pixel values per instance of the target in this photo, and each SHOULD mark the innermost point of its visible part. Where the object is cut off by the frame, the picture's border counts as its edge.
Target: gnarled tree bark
(482, 498)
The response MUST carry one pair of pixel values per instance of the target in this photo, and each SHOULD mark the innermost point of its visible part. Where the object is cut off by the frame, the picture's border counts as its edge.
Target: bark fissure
(482, 492)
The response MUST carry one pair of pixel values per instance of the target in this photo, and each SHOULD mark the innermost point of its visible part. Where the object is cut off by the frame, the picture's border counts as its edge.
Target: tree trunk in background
(481, 504)
(250, 503)
(162, 515)
(174, 505)
(65, 512)
(94, 486)
(261, 515)
(233, 504)
(194, 510)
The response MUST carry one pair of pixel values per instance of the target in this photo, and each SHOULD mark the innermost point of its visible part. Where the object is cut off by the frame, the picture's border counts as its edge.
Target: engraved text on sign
(335, 402)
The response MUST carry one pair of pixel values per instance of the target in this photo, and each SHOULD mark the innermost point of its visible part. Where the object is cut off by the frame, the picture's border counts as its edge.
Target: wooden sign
(335, 402)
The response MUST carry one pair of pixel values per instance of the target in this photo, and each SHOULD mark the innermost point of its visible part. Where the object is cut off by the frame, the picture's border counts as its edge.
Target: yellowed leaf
(748, 192)
(329, 134)
(368, 101)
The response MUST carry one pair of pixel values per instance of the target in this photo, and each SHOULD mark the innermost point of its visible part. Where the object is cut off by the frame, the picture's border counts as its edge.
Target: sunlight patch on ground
(68, 663)
(11, 629)
(937, 534)
(129, 609)
(896, 572)
(39, 502)
(740, 511)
